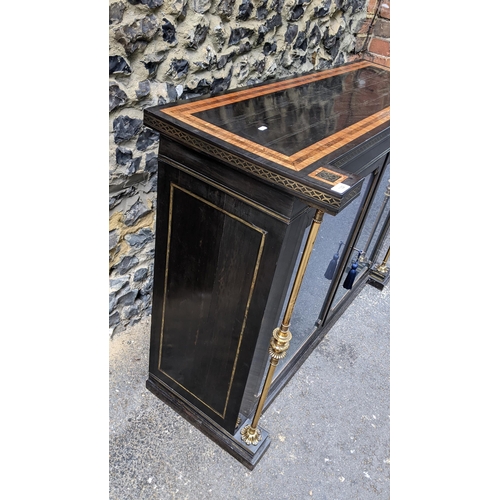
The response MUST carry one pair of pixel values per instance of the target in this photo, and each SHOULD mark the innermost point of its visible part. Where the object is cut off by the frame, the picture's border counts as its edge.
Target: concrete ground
(329, 426)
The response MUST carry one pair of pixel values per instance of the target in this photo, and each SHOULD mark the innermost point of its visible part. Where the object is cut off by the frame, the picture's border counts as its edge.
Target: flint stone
(136, 36)
(225, 9)
(128, 298)
(133, 166)
(301, 42)
(117, 97)
(344, 5)
(323, 10)
(220, 37)
(237, 34)
(291, 33)
(201, 6)
(315, 36)
(146, 139)
(152, 4)
(152, 61)
(253, 81)
(148, 286)
(330, 42)
(151, 162)
(144, 89)
(118, 65)
(180, 67)
(244, 48)
(116, 200)
(270, 48)
(260, 65)
(112, 302)
(118, 183)
(221, 63)
(277, 5)
(140, 274)
(118, 284)
(274, 22)
(140, 238)
(262, 32)
(145, 299)
(125, 128)
(114, 235)
(135, 212)
(262, 12)
(245, 10)
(114, 319)
(221, 84)
(172, 92)
(116, 11)
(168, 32)
(130, 311)
(198, 37)
(182, 15)
(296, 13)
(152, 185)
(127, 263)
(123, 155)
(202, 88)
(243, 71)
(203, 65)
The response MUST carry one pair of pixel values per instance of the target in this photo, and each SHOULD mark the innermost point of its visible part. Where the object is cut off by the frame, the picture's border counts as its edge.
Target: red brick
(384, 61)
(365, 27)
(385, 9)
(365, 56)
(372, 6)
(381, 28)
(380, 47)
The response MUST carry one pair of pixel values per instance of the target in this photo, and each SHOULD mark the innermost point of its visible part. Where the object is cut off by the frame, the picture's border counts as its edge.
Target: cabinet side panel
(212, 259)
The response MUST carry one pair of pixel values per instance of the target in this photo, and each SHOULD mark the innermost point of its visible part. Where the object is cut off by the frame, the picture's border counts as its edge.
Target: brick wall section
(373, 37)
(378, 48)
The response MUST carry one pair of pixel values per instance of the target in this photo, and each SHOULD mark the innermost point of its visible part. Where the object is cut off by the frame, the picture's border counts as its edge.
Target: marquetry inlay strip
(299, 160)
(243, 164)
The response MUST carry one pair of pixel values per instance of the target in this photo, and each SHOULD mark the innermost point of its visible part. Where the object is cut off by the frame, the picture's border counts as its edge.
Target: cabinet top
(316, 134)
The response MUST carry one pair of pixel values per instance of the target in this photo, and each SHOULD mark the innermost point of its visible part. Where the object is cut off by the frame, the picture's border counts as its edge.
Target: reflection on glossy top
(293, 119)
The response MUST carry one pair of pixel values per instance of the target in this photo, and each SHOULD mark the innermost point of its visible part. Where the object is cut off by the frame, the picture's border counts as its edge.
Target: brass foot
(250, 435)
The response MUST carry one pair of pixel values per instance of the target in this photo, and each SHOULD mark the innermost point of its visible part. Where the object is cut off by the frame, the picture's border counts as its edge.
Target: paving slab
(330, 426)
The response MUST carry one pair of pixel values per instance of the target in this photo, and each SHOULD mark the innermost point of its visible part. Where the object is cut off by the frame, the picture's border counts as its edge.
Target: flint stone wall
(162, 51)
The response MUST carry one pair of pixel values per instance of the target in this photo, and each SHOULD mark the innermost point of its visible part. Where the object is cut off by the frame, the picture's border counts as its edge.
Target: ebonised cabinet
(241, 176)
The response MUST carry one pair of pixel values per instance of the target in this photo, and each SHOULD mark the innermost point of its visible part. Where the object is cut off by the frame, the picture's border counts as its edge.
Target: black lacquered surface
(301, 116)
(207, 293)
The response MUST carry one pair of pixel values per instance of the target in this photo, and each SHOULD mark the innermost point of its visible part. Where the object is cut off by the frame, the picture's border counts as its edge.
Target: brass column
(282, 335)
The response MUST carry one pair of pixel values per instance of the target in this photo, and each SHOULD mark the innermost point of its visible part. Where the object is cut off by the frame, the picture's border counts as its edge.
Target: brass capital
(279, 343)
